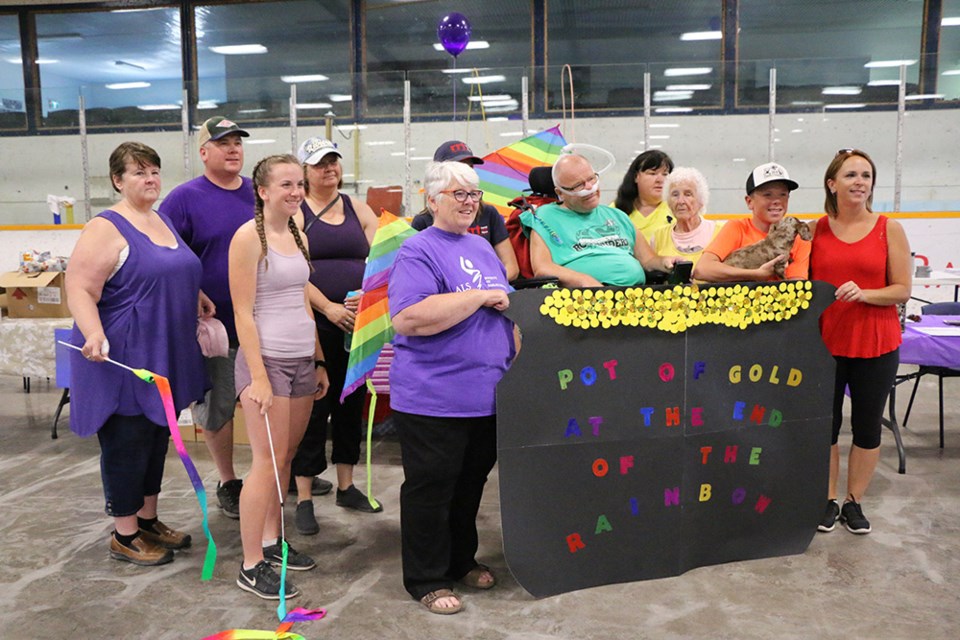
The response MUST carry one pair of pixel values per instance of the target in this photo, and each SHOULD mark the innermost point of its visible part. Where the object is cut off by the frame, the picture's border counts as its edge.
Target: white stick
(276, 473)
(105, 358)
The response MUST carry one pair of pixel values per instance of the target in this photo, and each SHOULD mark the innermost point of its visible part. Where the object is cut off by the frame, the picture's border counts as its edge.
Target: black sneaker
(305, 520)
(354, 499)
(318, 486)
(851, 515)
(296, 561)
(228, 495)
(263, 582)
(829, 520)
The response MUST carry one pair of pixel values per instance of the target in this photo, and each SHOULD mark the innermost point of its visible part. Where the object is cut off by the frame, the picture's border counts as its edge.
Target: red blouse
(855, 329)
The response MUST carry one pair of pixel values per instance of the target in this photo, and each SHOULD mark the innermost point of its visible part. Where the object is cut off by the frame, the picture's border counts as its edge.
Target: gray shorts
(289, 377)
(220, 402)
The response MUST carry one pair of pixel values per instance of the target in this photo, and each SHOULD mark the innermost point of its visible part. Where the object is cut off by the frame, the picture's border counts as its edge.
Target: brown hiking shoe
(166, 537)
(141, 552)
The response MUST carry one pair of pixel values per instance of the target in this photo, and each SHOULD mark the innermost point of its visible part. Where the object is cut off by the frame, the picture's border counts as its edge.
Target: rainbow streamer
(163, 387)
(370, 414)
(282, 633)
(504, 174)
(372, 328)
(166, 397)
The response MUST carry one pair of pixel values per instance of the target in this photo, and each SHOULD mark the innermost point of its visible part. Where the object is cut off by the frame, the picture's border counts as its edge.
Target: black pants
(870, 380)
(446, 462)
(346, 421)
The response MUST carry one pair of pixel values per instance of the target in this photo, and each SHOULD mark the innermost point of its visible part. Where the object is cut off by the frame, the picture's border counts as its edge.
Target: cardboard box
(35, 295)
(239, 428)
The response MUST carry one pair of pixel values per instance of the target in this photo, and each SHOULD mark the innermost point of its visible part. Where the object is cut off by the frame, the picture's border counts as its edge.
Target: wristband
(319, 363)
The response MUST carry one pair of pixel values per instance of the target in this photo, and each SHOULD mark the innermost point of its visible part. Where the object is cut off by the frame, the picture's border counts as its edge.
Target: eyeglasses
(580, 186)
(461, 196)
(847, 150)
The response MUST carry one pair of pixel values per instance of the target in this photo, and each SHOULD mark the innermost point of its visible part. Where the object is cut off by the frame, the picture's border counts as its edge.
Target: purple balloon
(454, 33)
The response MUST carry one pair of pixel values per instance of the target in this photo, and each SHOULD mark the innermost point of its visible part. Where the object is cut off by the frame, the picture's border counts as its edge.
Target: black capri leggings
(870, 380)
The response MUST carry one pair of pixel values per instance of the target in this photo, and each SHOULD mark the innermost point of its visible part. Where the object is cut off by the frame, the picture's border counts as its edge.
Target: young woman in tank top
(279, 368)
(866, 256)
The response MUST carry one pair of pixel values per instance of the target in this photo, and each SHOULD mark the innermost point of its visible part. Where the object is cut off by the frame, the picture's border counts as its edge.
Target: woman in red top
(867, 258)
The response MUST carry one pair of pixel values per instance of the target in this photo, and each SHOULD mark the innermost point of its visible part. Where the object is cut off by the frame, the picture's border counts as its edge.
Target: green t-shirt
(599, 243)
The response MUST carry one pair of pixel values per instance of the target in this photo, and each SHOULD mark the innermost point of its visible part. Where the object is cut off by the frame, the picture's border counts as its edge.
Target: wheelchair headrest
(541, 181)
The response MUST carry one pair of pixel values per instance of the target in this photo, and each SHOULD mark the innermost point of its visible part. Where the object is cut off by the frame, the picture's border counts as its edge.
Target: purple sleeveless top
(149, 314)
(338, 252)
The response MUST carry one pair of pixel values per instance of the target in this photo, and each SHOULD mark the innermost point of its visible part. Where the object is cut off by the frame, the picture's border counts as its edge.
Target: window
(402, 43)
(12, 98)
(125, 63)
(248, 55)
(949, 60)
(827, 54)
(597, 38)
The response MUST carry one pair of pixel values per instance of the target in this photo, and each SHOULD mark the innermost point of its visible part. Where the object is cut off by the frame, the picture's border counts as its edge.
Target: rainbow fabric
(372, 328)
(282, 633)
(504, 173)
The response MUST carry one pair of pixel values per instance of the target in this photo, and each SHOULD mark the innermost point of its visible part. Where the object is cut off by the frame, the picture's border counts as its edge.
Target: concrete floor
(901, 581)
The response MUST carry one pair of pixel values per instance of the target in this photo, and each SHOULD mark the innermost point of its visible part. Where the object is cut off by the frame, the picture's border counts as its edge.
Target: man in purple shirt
(206, 212)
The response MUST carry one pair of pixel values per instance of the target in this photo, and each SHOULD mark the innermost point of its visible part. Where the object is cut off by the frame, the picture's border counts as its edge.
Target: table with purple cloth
(931, 342)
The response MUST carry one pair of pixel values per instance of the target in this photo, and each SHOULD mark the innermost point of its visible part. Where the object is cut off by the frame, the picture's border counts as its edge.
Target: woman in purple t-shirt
(447, 292)
(279, 369)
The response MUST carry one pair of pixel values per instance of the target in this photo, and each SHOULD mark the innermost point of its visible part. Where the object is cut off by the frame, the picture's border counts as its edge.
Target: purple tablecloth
(933, 351)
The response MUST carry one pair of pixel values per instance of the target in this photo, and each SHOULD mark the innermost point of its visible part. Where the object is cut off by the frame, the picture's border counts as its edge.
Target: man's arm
(543, 265)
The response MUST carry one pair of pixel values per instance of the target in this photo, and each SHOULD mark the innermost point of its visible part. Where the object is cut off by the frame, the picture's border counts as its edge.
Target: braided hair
(261, 178)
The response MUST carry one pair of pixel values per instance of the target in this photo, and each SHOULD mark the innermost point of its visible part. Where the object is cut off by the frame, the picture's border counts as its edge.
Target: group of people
(279, 260)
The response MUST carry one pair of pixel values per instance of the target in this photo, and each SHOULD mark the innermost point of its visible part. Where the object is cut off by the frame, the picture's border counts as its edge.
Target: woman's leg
(478, 460)
(870, 383)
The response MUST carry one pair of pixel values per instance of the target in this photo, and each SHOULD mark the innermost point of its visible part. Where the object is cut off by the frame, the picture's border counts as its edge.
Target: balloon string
(453, 76)
(563, 100)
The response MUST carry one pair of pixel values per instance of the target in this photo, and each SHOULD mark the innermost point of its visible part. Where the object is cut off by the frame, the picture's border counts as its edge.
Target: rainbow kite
(504, 173)
(372, 328)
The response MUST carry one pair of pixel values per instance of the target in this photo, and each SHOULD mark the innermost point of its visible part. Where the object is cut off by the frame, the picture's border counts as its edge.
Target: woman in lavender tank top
(279, 368)
(132, 287)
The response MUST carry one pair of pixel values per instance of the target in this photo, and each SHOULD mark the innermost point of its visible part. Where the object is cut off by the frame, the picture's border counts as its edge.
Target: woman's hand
(205, 306)
(323, 383)
(352, 302)
(496, 298)
(340, 316)
(850, 292)
(96, 348)
(261, 392)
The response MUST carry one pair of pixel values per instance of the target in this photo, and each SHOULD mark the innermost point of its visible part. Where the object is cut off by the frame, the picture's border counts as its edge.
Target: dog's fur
(779, 242)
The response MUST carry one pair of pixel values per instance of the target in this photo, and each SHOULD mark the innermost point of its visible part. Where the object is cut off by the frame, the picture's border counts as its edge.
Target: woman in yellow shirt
(640, 195)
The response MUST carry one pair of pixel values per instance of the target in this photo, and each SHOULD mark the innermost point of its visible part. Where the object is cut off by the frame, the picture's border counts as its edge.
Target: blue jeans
(132, 453)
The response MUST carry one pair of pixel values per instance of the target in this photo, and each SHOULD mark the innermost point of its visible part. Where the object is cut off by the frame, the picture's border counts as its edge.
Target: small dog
(778, 242)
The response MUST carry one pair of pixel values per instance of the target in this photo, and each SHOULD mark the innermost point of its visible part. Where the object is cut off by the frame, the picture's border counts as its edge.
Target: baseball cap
(455, 151)
(314, 149)
(216, 127)
(769, 172)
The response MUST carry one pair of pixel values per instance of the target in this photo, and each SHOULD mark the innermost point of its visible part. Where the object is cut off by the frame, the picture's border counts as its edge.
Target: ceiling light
(422, 158)
(340, 97)
(239, 49)
(251, 111)
(158, 107)
(348, 127)
(128, 85)
(511, 134)
(482, 79)
(473, 44)
(498, 119)
(499, 96)
(207, 104)
(925, 96)
(664, 125)
(701, 35)
(883, 83)
(796, 130)
(841, 91)
(952, 72)
(381, 143)
(398, 153)
(953, 21)
(461, 70)
(807, 103)
(259, 140)
(316, 77)
(845, 106)
(879, 64)
(659, 137)
(673, 110)
(497, 108)
(656, 146)
(664, 96)
(687, 71)
(739, 159)
(38, 60)
(313, 105)
(688, 87)
(500, 103)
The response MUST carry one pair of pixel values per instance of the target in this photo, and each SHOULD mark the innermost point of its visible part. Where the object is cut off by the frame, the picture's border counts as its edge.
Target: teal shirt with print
(599, 243)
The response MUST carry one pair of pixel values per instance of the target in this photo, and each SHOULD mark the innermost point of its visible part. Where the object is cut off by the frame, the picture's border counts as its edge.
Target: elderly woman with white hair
(687, 194)
(447, 292)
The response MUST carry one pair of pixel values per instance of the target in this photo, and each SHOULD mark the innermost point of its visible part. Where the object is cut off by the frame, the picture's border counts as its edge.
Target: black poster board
(636, 452)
